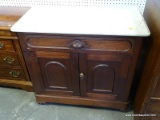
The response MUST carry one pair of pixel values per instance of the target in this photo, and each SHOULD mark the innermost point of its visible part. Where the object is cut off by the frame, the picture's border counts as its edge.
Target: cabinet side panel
(34, 71)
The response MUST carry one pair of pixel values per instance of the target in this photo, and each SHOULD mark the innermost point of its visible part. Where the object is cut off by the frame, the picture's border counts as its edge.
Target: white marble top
(123, 21)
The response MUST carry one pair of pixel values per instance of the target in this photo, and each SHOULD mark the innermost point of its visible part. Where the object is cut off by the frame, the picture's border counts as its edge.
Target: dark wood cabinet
(81, 70)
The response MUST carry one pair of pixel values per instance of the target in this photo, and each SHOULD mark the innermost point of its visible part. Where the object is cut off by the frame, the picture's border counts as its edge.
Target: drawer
(6, 45)
(9, 60)
(85, 43)
(5, 33)
(113, 45)
(11, 73)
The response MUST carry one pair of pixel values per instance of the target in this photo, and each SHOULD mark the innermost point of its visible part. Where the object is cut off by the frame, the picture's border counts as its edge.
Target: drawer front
(85, 43)
(6, 45)
(5, 33)
(114, 45)
(9, 60)
(11, 74)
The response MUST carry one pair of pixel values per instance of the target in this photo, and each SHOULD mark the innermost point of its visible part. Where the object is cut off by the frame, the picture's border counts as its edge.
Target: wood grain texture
(99, 74)
(8, 16)
(13, 71)
(59, 42)
(25, 85)
(9, 60)
(148, 98)
(82, 101)
(6, 45)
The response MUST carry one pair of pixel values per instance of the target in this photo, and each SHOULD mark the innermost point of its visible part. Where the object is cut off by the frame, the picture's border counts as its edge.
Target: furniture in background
(147, 100)
(13, 71)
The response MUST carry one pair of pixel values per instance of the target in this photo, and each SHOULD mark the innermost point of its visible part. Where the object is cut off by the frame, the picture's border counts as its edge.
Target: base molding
(25, 85)
(82, 101)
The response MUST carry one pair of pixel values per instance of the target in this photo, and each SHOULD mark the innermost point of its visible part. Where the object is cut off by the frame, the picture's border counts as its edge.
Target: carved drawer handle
(1, 45)
(77, 44)
(9, 59)
(14, 73)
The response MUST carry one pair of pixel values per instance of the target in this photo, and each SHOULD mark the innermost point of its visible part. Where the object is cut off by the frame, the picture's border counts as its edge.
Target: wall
(88, 3)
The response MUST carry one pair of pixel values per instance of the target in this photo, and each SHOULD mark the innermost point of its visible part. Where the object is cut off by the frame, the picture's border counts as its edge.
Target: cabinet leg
(41, 103)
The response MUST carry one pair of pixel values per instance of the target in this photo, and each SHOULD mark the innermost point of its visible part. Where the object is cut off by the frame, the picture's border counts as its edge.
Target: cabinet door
(104, 76)
(56, 72)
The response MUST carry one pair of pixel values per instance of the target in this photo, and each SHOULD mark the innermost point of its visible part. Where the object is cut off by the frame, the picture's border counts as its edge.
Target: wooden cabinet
(147, 100)
(13, 71)
(81, 70)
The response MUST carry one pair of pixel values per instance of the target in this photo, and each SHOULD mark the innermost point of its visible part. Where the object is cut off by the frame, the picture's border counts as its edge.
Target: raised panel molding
(56, 82)
(103, 77)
